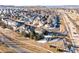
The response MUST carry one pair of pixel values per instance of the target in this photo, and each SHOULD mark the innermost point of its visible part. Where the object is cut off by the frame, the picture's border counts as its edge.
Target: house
(27, 20)
(36, 21)
(20, 29)
(26, 28)
(12, 23)
(8, 21)
(47, 25)
(18, 24)
(39, 30)
(47, 37)
(4, 20)
(56, 22)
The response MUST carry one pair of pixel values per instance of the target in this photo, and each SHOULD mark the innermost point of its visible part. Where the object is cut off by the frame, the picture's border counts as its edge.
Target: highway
(71, 29)
(75, 33)
(72, 20)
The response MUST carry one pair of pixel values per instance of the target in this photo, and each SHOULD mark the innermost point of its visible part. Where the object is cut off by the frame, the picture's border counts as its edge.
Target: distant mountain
(56, 6)
(64, 6)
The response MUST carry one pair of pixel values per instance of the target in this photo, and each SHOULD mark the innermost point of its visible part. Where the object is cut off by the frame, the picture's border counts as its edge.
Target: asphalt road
(12, 45)
(71, 29)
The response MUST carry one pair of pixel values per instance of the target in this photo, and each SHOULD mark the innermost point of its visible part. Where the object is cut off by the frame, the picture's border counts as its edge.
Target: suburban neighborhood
(40, 29)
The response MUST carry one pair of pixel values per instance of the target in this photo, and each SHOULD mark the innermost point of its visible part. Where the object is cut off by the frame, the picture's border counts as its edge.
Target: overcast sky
(38, 2)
